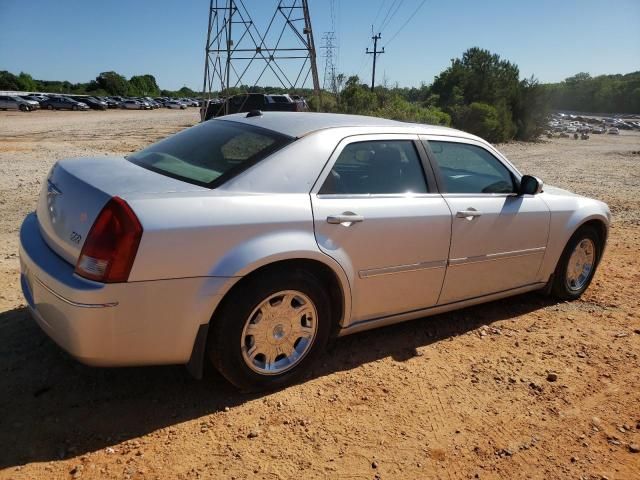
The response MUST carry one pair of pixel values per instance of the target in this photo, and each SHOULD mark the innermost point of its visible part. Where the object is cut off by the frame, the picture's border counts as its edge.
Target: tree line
(479, 92)
(601, 94)
(107, 83)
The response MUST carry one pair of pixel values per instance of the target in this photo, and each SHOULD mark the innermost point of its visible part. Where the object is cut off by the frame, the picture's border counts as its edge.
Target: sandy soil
(461, 395)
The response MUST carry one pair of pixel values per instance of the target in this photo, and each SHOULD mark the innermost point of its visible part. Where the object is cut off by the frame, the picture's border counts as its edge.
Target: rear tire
(577, 265)
(285, 315)
(49, 107)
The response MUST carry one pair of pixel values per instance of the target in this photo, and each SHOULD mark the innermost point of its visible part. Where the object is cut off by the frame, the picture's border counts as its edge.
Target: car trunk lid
(76, 191)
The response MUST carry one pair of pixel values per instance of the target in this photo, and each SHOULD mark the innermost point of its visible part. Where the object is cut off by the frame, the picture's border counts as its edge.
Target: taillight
(110, 248)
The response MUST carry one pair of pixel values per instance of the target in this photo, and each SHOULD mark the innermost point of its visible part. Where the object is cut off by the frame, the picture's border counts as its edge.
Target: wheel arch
(569, 226)
(330, 274)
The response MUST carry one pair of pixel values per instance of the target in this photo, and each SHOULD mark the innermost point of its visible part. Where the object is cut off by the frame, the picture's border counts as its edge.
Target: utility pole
(375, 54)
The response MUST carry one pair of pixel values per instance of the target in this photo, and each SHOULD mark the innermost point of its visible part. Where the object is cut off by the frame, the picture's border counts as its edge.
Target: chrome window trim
(330, 196)
(471, 195)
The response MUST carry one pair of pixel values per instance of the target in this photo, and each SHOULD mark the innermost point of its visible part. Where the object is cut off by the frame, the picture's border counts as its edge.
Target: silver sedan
(251, 239)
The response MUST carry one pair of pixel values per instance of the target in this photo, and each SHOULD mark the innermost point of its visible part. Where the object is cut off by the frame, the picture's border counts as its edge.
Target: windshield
(210, 153)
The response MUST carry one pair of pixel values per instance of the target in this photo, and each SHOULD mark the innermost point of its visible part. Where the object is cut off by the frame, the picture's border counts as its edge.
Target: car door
(380, 217)
(498, 238)
(3, 101)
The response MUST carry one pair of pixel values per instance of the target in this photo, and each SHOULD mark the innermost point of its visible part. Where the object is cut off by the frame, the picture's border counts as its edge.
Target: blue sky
(77, 39)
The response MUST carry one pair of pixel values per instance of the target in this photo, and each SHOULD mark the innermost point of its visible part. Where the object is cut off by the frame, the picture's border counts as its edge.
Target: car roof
(299, 124)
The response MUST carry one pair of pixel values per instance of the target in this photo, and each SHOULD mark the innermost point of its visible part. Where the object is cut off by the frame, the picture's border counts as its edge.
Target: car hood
(550, 189)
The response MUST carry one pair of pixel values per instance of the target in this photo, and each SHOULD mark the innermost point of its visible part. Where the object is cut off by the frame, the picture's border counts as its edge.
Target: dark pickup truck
(253, 101)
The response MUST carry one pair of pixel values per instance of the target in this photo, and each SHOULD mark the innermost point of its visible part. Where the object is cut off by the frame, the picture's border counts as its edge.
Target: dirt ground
(460, 395)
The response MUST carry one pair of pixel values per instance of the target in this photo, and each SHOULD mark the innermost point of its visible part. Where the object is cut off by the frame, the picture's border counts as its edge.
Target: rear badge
(75, 237)
(52, 190)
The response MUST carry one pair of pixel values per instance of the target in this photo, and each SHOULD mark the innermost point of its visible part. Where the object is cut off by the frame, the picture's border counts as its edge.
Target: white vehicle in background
(132, 105)
(175, 104)
(613, 131)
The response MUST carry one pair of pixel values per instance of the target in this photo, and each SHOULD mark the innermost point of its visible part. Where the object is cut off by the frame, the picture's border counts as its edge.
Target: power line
(382, 2)
(388, 13)
(391, 17)
(406, 22)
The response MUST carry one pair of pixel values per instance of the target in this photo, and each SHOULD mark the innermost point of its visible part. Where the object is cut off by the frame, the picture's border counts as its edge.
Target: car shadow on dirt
(54, 408)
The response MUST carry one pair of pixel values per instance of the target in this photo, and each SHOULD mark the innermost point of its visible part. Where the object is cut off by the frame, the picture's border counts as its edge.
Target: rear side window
(468, 168)
(377, 167)
(210, 153)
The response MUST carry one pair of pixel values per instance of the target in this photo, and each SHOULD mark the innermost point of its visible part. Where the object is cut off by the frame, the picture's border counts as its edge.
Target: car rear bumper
(120, 324)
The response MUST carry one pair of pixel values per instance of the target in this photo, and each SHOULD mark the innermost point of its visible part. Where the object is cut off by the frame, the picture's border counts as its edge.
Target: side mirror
(530, 185)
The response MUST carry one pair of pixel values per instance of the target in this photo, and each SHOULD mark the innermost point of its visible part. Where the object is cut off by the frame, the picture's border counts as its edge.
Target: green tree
(26, 82)
(480, 119)
(113, 83)
(143, 85)
(8, 81)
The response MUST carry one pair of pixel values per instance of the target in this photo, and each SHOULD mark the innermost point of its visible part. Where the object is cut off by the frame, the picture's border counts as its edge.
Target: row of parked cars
(31, 102)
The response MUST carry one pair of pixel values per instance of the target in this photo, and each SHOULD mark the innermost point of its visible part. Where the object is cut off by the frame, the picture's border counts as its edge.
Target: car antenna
(254, 113)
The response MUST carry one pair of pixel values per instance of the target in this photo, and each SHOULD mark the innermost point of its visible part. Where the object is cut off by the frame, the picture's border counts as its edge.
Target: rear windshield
(210, 153)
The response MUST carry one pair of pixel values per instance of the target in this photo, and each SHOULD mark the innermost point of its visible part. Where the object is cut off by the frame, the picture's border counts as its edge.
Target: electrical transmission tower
(376, 53)
(237, 53)
(329, 46)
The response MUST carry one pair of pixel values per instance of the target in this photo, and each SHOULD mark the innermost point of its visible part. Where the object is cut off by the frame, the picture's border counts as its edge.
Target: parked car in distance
(613, 131)
(254, 101)
(151, 102)
(63, 103)
(33, 101)
(131, 104)
(111, 103)
(145, 104)
(37, 98)
(92, 102)
(219, 242)
(175, 104)
(33, 104)
(14, 102)
(189, 102)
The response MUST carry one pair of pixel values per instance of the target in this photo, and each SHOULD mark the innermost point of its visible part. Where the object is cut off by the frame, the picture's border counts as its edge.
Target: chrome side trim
(376, 272)
(71, 302)
(406, 316)
(495, 256)
(333, 196)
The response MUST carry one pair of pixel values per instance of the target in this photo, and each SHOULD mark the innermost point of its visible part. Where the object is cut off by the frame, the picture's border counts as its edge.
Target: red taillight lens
(110, 248)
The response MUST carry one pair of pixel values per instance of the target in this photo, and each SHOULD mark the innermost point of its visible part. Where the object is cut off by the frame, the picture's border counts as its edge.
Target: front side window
(468, 168)
(376, 167)
(211, 152)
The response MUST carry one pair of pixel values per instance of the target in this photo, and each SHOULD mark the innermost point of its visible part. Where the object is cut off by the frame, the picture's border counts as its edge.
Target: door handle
(468, 213)
(346, 217)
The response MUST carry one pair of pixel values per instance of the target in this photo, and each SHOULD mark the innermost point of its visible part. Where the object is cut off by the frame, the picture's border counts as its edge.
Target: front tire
(577, 265)
(269, 331)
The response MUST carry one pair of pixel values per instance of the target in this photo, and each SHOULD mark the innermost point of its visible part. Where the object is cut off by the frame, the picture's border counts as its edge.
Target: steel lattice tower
(235, 45)
(329, 46)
